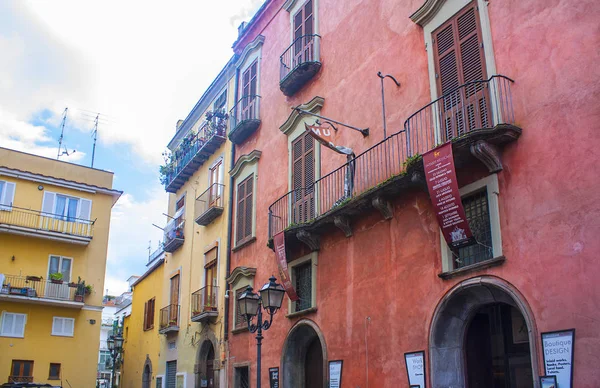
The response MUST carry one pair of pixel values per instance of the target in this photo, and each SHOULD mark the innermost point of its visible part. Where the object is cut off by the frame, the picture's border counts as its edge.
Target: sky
(140, 66)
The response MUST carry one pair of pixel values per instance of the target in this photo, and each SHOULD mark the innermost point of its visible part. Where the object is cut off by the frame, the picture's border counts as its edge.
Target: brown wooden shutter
(145, 315)
(248, 207)
(151, 313)
(241, 197)
(240, 321)
(303, 177)
(244, 209)
(303, 26)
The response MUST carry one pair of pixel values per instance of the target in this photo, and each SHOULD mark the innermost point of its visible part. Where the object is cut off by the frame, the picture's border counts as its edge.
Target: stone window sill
(302, 313)
(473, 267)
(243, 244)
(239, 330)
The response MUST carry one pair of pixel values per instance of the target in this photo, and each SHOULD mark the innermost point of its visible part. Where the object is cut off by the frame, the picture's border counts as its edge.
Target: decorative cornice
(240, 271)
(289, 4)
(313, 106)
(256, 43)
(426, 11)
(252, 157)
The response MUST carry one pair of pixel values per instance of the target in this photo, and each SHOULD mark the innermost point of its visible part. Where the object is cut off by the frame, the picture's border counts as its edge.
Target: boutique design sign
(558, 348)
(443, 190)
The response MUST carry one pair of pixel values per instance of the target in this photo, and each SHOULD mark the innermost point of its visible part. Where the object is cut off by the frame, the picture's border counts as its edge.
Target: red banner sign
(286, 281)
(324, 135)
(443, 190)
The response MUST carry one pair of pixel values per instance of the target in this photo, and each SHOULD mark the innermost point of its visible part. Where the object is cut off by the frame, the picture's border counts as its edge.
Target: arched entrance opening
(483, 335)
(206, 376)
(147, 374)
(304, 357)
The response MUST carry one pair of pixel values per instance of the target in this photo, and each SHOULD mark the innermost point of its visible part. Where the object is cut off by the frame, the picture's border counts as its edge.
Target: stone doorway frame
(286, 373)
(451, 319)
(202, 356)
(147, 364)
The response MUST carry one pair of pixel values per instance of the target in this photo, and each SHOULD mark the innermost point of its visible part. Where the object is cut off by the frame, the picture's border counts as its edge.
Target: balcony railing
(482, 109)
(20, 379)
(169, 318)
(19, 220)
(174, 236)
(209, 204)
(299, 63)
(204, 303)
(193, 151)
(245, 118)
(35, 287)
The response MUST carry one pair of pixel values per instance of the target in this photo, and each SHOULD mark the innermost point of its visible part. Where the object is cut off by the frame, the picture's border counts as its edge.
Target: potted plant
(33, 278)
(56, 278)
(88, 289)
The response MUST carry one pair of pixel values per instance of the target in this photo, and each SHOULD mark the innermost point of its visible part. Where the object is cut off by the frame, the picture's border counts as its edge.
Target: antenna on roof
(95, 135)
(62, 132)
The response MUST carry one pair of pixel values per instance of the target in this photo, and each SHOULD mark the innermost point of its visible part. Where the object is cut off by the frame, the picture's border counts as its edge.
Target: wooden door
(173, 313)
(249, 92)
(313, 365)
(303, 178)
(303, 30)
(216, 190)
(210, 369)
(459, 60)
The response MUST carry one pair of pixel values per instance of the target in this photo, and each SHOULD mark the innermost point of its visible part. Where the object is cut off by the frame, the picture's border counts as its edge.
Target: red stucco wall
(388, 269)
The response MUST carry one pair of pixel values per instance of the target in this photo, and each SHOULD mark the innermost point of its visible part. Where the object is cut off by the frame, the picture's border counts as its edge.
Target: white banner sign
(558, 356)
(335, 374)
(415, 367)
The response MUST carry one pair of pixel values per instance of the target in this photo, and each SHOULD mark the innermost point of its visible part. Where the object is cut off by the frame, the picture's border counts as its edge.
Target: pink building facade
(513, 86)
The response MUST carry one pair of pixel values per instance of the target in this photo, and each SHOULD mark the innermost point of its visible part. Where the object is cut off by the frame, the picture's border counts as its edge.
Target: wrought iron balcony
(34, 289)
(45, 225)
(193, 151)
(245, 118)
(204, 303)
(174, 236)
(476, 117)
(209, 204)
(169, 319)
(20, 379)
(299, 63)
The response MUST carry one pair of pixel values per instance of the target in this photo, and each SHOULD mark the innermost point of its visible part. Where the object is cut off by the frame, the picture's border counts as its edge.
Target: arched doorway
(304, 357)
(147, 373)
(206, 367)
(483, 335)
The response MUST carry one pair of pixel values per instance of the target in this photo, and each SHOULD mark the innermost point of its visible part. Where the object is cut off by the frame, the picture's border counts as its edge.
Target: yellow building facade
(141, 345)
(54, 226)
(192, 312)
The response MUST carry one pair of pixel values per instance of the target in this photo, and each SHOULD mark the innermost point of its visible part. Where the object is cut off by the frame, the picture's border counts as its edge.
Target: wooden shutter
(459, 59)
(240, 321)
(248, 208)
(244, 209)
(146, 316)
(303, 26)
(240, 212)
(303, 177)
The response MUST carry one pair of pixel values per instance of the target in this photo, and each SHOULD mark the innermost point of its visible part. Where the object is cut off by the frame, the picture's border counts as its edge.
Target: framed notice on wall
(335, 373)
(274, 377)
(415, 368)
(559, 348)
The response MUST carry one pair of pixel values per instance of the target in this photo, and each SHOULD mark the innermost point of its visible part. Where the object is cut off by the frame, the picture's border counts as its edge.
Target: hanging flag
(325, 134)
(279, 242)
(445, 197)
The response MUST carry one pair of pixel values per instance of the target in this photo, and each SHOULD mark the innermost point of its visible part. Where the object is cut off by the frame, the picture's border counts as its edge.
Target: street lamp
(251, 304)
(115, 346)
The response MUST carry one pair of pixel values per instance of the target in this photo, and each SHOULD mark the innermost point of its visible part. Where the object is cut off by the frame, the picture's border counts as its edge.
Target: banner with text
(279, 242)
(443, 190)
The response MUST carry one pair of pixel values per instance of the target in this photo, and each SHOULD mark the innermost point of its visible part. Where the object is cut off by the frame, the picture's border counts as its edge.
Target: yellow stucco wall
(29, 256)
(140, 343)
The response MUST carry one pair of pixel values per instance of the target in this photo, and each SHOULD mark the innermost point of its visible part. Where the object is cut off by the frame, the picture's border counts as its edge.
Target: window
(54, 373)
(249, 82)
(63, 326)
(303, 26)
(221, 101)
(180, 383)
(303, 272)
(21, 372)
(104, 359)
(149, 314)
(13, 325)
(7, 195)
(216, 184)
(242, 377)
(210, 268)
(66, 207)
(240, 320)
(303, 178)
(480, 200)
(159, 381)
(62, 265)
(244, 215)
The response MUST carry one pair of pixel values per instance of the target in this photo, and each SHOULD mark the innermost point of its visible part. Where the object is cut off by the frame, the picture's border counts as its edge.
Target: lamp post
(251, 305)
(115, 345)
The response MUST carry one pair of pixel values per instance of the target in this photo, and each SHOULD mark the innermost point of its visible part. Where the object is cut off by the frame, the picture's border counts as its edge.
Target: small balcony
(209, 204)
(174, 237)
(35, 223)
(245, 118)
(477, 118)
(193, 151)
(36, 290)
(169, 319)
(20, 379)
(299, 63)
(204, 304)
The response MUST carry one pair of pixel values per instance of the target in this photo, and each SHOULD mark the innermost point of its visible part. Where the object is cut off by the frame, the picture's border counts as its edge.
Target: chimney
(179, 122)
(241, 28)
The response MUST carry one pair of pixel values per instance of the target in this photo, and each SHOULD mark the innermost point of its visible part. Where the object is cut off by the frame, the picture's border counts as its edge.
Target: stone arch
(294, 350)
(451, 319)
(147, 373)
(207, 341)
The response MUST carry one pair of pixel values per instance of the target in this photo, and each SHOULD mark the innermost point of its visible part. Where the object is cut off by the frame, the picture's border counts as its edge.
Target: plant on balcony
(56, 278)
(33, 278)
(217, 121)
(172, 323)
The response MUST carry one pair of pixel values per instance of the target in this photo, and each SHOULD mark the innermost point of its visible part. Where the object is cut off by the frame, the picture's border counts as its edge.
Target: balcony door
(62, 265)
(21, 372)
(216, 184)
(174, 298)
(210, 278)
(459, 60)
(303, 34)
(249, 81)
(303, 178)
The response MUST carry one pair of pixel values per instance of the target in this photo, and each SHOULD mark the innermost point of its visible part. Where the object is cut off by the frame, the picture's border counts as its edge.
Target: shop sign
(335, 373)
(415, 368)
(279, 242)
(274, 377)
(445, 197)
(558, 356)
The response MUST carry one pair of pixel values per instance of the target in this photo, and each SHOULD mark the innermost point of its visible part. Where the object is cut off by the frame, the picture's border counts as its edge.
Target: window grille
(303, 283)
(478, 216)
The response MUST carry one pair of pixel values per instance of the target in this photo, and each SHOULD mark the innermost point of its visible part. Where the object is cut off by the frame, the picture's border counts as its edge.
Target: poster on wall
(558, 349)
(415, 368)
(279, 242)
(274, 377)
(335, 373)
(445, 197)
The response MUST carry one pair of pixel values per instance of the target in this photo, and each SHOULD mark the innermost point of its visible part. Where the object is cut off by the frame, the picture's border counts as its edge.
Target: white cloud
(114, 285)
